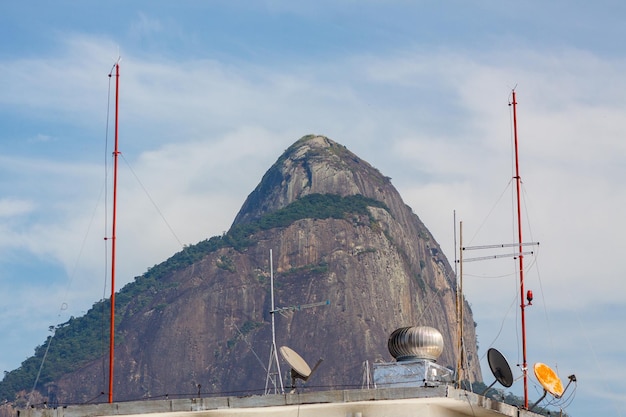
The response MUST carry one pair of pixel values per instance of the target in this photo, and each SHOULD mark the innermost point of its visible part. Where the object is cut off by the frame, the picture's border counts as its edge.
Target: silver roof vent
(417, 342)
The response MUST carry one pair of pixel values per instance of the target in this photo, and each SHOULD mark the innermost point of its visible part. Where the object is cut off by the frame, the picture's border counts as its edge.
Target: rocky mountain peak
(313, 165)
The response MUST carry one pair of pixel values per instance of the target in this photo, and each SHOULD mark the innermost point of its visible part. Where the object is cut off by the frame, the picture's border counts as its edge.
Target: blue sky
(212, 92)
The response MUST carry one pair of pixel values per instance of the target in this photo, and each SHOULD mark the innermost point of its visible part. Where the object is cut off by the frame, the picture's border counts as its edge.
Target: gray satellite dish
(299, 368)
(499, 368)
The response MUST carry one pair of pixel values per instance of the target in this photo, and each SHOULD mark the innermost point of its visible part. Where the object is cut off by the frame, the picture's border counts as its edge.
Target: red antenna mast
(518, 181)
(113, 239)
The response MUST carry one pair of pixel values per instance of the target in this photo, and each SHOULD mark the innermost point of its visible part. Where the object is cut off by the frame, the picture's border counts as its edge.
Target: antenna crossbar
(500, 245)
(508, 255)
(300, 307)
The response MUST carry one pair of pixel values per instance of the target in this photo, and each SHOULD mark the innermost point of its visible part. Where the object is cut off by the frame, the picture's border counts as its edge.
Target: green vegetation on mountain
(84, 339)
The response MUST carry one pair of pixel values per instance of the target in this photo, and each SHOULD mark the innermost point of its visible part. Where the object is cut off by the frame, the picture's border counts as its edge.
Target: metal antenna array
(273, 361)
(282, 310)
(519, 254)
(273, 368)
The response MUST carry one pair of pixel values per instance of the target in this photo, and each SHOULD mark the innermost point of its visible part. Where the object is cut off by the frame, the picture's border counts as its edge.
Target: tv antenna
(550, 382)
(499, 368)
(273, 360)
(519, 255)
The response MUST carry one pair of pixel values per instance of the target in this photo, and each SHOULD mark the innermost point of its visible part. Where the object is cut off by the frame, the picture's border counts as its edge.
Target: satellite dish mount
(499, 368)
(299, 368)
(550, 382)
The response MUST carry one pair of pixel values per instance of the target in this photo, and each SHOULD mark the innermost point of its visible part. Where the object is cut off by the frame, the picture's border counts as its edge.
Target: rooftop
(398, 402)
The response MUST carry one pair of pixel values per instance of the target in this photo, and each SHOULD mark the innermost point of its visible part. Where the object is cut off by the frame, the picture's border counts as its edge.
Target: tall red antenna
(518, 181)
(115, 157)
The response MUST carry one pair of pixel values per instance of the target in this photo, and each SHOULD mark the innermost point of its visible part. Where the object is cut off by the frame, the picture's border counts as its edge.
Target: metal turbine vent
(417, 342)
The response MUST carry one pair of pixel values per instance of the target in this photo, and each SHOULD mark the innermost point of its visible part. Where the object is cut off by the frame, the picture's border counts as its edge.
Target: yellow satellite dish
(548, 379)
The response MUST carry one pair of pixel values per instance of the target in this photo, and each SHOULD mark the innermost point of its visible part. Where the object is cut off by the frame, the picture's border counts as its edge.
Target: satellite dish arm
(296, 375)
(489, 387)
(572, 378)
(539, 400)
(306, 378)
(319, 361)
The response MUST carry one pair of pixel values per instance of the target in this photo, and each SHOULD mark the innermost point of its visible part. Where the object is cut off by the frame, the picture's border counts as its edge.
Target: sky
(212, 92)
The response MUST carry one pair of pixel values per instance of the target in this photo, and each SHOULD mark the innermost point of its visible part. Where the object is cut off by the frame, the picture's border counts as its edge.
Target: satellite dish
(499, 368)
(298, 365)
(548, 379)
(550, 382)
(299, 368)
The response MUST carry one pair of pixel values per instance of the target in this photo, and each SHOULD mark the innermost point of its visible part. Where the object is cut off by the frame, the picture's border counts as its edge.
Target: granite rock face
(211, 325)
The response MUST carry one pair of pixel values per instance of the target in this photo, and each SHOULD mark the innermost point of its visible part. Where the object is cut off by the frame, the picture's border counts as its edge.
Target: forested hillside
(83, 339)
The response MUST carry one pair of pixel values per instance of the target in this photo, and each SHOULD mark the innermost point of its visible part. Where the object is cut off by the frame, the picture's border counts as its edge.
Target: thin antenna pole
(273, 350)
(459, 301)
(113, 237)
(455, 246)
(458, 315)
(518, 181)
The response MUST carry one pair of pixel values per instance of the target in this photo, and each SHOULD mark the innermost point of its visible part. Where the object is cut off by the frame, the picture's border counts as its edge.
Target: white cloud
(10, 207)
(145, 26)
(42, 138)
(66, 87)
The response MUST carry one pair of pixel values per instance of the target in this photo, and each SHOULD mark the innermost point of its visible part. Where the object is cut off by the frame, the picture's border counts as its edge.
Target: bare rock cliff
(208, 327)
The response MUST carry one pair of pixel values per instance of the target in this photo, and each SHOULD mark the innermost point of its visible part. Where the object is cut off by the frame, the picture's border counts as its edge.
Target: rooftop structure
(444, 401)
